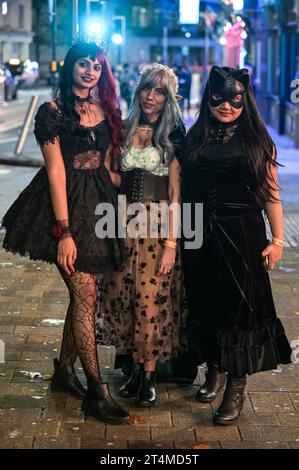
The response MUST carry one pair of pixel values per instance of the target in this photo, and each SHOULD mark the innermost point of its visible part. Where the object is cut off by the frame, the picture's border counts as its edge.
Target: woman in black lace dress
(54, 218)
(230, 167)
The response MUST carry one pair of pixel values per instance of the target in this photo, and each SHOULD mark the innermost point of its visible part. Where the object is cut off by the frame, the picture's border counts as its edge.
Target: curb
(15, 162)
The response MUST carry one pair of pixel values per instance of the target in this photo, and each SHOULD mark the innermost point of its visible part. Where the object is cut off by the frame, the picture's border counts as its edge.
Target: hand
(274, 254)
(67, 254)
(167, 261)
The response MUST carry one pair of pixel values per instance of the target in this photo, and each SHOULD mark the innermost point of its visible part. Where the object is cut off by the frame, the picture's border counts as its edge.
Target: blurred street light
(4, 8)
(94, 28)
(189, 11)
(118, 29)
(238, 4)
(117, 39)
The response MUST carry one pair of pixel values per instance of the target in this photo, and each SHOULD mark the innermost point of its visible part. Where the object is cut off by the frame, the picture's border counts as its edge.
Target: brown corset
(141, 185)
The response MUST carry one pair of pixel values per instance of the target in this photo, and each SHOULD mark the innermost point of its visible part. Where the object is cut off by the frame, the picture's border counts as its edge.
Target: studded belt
(141, 185)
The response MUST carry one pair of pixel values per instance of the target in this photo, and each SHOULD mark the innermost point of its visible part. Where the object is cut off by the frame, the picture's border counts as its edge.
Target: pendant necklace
(83, 106)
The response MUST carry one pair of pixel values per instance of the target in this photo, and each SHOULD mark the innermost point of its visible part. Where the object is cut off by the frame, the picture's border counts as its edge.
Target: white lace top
(146, 159)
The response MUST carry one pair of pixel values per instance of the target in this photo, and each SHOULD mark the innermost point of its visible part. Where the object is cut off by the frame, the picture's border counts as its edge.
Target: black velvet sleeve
(177, 138)
(47, 124)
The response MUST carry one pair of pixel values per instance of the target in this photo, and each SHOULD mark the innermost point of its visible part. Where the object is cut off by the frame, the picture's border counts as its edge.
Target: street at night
(260, 36)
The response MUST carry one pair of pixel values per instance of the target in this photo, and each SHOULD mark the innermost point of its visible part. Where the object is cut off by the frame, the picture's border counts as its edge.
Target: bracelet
(61, 229)
(65, 234)
(278, 242)
(170, 244)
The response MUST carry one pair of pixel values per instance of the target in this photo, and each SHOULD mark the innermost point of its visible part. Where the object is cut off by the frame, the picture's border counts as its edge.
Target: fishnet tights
(79, 328)
(68, 350)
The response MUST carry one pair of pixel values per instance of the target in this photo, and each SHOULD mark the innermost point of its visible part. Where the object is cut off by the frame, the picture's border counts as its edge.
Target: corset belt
(141, 185)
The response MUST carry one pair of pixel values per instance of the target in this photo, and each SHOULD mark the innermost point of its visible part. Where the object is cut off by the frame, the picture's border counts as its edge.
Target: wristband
(170, 244)
(61, 229)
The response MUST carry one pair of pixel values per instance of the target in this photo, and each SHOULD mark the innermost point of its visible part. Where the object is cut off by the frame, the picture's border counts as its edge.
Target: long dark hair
(259, 145)
(105, 91)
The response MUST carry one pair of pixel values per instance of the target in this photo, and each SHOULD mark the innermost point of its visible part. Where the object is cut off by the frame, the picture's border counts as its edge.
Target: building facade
(52, 34)
(153, 32)
(15, 29)
(273, 49)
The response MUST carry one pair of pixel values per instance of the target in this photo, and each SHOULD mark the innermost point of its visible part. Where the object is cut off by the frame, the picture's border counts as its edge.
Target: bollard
(26, 125)
(2, 92)
(107, 356)
(295, 349)
(2, 352)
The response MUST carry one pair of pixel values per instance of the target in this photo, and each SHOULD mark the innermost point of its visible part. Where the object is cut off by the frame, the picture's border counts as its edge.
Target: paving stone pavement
(31, 416)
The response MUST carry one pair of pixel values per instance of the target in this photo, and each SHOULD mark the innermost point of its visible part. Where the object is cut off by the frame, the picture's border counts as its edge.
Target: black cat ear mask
(224, 82)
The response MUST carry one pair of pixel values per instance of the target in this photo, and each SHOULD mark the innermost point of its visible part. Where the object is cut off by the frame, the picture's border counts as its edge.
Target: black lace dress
(29, 221)
(232, 318)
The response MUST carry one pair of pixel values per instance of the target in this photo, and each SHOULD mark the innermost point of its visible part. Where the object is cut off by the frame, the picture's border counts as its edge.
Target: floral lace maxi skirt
(139, 312)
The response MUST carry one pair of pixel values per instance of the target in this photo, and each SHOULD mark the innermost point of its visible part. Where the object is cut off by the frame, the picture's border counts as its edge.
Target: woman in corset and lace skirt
(54, 218)
(141, 307)
(231, 168)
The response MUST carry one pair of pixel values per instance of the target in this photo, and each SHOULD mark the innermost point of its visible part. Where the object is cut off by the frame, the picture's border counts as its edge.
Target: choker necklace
(80, 99)
(83, 106)
(224, 125)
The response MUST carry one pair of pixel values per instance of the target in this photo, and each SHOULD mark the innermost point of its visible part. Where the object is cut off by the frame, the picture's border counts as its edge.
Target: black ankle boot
(130, 387)
(99, 403)
(65, 380)
(214, 384)
(232, 403)
(146, 394)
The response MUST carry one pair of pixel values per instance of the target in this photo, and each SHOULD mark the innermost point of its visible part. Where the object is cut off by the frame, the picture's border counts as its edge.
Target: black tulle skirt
(29, 221)
(232, 317)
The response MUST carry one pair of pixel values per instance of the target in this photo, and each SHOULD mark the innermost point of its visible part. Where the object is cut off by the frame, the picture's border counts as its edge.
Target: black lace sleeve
(177, 138)
(47, 124)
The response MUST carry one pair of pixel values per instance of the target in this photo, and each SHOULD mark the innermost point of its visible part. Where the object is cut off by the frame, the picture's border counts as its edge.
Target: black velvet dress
(29, 221)
(232, 318)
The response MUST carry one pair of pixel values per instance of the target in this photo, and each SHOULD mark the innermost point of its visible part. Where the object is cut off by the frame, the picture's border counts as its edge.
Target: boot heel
(213, 386)
(130, 387)
(55, 388)
(86, 410)
(59, 389)
(65, 380)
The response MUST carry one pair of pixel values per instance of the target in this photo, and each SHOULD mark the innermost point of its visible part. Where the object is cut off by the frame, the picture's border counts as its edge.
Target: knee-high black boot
(130, 387)
(65, 379)
(232, 403)
(214, 384)
(99, 403)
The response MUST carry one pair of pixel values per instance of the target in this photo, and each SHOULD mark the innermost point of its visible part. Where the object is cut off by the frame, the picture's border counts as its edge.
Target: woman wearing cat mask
(231, 168)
